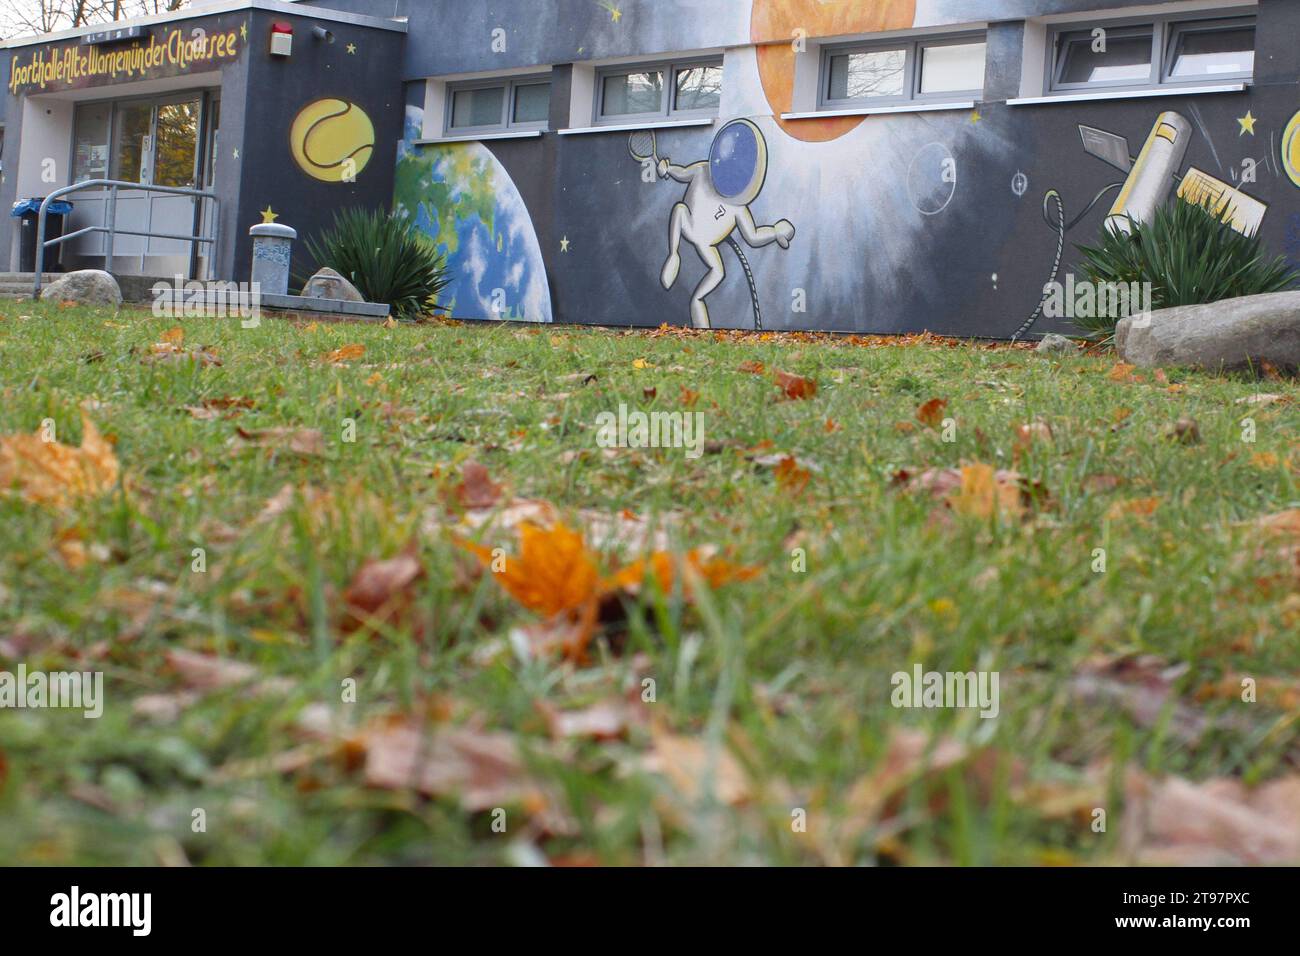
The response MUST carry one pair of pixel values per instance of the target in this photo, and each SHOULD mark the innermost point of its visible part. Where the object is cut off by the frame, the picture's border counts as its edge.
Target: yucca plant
(385, 257)
(1189, 254)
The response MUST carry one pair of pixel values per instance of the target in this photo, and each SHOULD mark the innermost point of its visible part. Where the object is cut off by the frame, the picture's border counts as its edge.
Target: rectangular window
(498, 106)
(1153, 53)
(902, 71)
(659, 91)
(90, 142)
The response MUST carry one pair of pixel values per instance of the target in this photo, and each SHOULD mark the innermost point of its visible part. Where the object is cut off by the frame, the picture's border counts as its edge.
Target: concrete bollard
(272, 249)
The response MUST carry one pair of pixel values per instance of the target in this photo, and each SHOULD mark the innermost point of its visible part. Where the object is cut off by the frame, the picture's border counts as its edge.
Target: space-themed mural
(956, 220)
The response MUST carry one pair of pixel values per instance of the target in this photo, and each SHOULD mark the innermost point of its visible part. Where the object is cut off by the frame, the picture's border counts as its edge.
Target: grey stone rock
(1053, 344)
(86, 287)
(328, 284)
(1229, 335)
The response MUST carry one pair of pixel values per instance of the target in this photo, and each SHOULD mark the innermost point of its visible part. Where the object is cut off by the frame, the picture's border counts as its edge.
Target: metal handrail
(110, 220)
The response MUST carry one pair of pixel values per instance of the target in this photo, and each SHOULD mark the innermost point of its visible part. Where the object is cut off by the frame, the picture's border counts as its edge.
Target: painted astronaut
(716, 204)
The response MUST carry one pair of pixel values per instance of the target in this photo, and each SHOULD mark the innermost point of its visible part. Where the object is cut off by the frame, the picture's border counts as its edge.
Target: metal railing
(109, 225)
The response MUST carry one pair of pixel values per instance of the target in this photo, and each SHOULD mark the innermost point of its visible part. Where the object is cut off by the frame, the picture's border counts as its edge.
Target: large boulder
(85, 287)
(328, 284)
(1226, 335)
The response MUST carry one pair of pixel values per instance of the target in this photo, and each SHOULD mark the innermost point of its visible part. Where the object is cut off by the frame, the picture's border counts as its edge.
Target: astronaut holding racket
(716, 205)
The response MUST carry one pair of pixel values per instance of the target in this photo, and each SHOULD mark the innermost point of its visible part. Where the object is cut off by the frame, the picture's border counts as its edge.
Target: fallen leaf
(1185, 431)
(930, 413)
(666, 567)
(476, 488)
(346, 353)
(206, 672)
(1134, 507)
(753, 367)
(1171, 821)
(696, 769)
(790, 477)
(381, 588)
(308, 442)
(553, 573)
(174, 336)
(795, 387)
(1121, 372)
(608, 719)
(985, 493)
(50, 473)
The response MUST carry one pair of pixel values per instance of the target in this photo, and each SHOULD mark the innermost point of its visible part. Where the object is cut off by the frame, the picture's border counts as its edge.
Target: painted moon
(1291, 149)
(332, 140)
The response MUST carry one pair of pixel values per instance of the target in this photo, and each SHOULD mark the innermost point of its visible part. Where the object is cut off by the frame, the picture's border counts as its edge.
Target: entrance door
(154, 141)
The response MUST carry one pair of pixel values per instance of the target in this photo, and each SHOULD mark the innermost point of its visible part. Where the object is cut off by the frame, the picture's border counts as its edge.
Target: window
(498, 106)
(659, 91)
(90, 142)
(1153, 53)
(884, 74)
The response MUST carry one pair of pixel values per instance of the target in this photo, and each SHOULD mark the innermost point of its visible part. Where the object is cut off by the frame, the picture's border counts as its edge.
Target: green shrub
(385, 257)
(1189, 255)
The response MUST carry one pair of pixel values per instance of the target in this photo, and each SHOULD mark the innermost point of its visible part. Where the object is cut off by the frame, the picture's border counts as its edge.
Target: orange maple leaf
(47, 472)
(553, 573)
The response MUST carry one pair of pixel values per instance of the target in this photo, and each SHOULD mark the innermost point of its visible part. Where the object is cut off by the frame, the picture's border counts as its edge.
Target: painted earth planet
(461, 196)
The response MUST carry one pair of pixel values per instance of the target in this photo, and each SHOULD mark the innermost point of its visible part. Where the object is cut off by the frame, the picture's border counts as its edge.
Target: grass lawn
(371, 693)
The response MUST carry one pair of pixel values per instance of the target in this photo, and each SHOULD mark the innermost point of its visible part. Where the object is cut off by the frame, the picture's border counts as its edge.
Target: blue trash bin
(27, 212)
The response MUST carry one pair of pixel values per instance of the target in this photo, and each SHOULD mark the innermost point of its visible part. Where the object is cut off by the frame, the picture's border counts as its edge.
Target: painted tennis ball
(1291, 149)
(332, 140)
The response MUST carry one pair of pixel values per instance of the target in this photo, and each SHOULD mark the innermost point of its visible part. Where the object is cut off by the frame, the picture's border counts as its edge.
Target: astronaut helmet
(738, 162)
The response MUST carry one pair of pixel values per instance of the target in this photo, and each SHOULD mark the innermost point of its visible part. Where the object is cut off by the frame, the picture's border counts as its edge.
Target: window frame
(668, 99)
(507, 123)
(1165, 31)
(913, 48)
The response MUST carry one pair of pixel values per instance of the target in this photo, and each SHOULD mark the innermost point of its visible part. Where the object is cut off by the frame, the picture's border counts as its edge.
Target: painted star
(564, 244)
(616, 14)
(236, 152)
(1247, 124)
(352, 48)
(975, 116)
(269, 215)
(243, 30)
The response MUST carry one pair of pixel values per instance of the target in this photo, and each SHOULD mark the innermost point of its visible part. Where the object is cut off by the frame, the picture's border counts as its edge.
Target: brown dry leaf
(687, 397)
(382, 589)
(476, 488)
(1132, 508)
(553, 573)
(930, 413)
(346, 353)
(51, 473)
(696, 769)
(1220, 822)
(1185, 431)
(205, 672)
(608, 719)
(174, 336)
(1283, 524)
(795, 387)
(308, 442)
(1030, 432)
(752, 367)
(937, 482)
(986, 492)
(1121, 372)
(484, 769)
(790, 477)
(1141, 685)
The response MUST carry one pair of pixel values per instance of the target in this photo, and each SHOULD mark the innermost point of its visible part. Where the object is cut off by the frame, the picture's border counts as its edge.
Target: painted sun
(776, 24)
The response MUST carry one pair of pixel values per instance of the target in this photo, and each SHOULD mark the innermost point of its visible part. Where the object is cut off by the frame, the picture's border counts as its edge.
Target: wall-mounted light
(320, 33)
(281, 38)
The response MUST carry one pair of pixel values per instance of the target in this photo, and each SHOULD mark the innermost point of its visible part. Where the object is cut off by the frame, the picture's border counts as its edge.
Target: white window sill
(633, 127)
(481, 137)
(1128, 94)
(879, 110)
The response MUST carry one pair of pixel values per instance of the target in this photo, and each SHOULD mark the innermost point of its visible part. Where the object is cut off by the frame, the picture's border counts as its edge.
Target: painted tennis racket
(643, 146)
